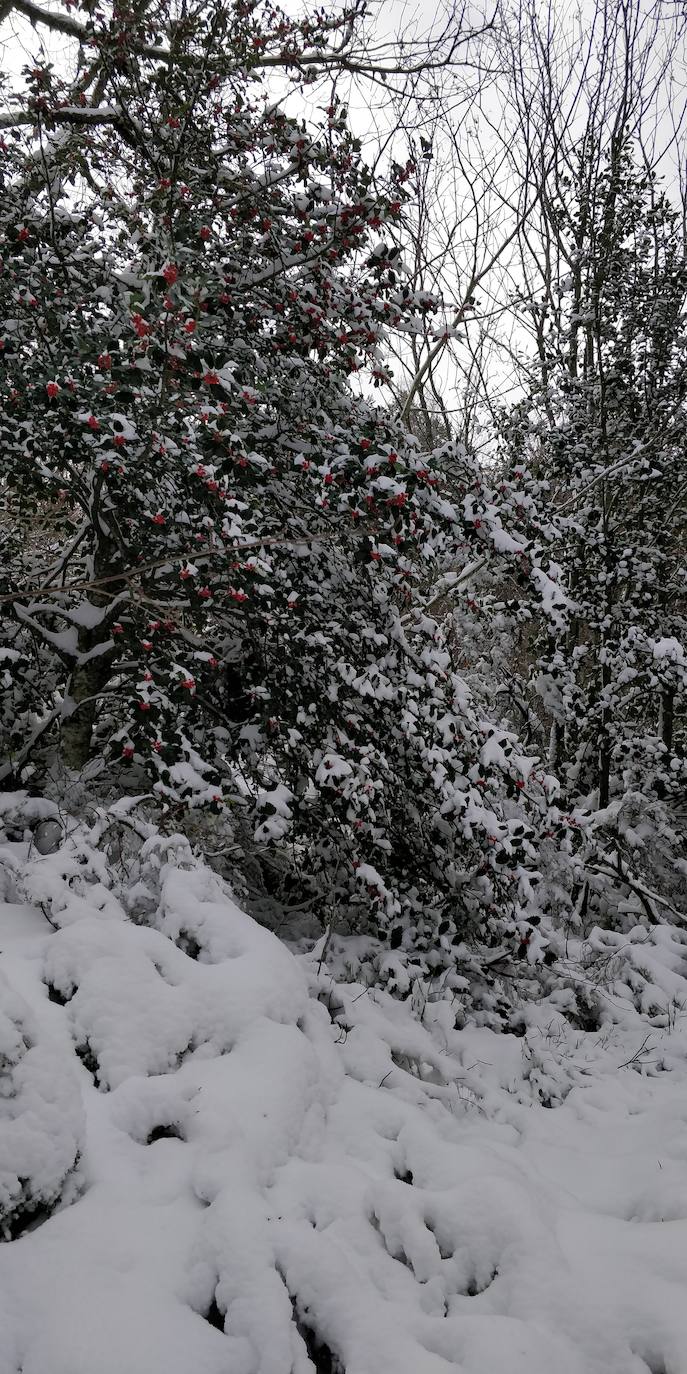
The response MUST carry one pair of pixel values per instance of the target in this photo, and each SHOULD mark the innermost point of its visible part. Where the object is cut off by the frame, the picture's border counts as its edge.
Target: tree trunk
(92, 671)
(557, 743)
(667, 717)
(87, 682)
(604, 746)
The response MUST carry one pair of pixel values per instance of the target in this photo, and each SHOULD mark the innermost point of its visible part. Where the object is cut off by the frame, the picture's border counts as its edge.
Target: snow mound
(214, 1157)
(41, 1115)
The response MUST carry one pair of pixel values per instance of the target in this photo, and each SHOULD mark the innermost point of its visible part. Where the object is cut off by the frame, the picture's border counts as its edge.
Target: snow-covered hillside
(214, 1159)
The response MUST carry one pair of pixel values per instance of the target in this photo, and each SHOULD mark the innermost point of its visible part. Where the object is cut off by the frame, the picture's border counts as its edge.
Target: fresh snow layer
(214, 1159)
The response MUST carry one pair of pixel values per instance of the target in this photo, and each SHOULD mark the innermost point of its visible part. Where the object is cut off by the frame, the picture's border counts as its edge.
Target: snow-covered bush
(228, 603)
(600, 435)
(41, 1116)
(279, 1169)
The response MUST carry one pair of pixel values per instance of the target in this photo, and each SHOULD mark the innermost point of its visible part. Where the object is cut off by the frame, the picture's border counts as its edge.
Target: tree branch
(71, 114)
(63, 23)
(128, 574)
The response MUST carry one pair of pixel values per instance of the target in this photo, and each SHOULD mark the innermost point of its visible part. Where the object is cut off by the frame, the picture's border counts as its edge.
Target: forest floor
(215, 1158)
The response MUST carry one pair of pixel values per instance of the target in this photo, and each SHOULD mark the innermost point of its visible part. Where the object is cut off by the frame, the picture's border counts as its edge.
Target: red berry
(52, 389)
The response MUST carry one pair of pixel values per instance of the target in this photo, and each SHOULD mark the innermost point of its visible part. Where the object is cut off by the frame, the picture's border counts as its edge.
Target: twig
(637, 1053)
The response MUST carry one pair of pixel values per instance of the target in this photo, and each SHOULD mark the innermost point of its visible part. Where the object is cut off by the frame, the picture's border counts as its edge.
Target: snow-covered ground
(216, 1160)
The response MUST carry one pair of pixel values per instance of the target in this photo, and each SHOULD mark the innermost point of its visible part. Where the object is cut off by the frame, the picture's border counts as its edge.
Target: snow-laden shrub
(222, 557)
(41, 1115)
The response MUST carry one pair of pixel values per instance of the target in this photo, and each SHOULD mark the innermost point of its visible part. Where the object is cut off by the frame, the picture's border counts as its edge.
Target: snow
(669, 648)
(216, 1156)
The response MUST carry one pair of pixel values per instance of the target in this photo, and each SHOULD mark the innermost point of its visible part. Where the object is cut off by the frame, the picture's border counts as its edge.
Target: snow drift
(215, 1158)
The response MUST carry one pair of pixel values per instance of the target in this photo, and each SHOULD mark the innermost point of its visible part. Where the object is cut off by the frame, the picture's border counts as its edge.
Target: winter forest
(343, 668)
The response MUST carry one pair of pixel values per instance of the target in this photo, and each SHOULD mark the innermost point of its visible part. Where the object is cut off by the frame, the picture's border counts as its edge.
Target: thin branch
(128, 574)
